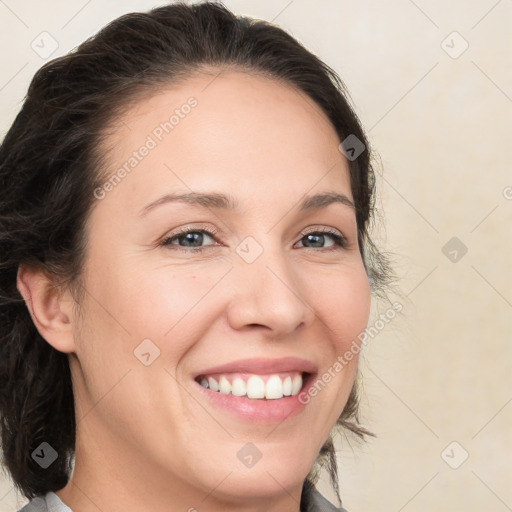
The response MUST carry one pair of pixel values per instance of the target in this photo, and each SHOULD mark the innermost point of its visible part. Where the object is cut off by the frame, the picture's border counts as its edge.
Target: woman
(185, 269)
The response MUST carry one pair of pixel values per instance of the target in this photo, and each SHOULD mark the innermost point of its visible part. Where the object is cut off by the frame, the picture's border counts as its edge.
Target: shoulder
(50, 502)
(35, 505)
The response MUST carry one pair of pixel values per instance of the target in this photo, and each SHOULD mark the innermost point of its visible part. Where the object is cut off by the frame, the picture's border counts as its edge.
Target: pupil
(318, 239)
(189, 237)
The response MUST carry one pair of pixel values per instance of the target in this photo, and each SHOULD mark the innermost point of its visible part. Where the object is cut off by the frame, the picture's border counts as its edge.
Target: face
(261, 296)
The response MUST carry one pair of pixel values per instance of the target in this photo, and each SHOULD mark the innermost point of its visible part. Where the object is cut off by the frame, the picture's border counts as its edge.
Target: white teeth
(287, 386)
(238, 388)
(214, 386)
(255, 387)
(274, 388)
(296, 384)
(224, 386)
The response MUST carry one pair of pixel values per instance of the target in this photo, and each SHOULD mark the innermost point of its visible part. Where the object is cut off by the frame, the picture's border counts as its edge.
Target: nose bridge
(266, 291)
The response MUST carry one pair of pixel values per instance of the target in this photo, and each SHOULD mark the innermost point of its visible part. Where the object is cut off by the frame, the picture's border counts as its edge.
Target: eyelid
(185, 229)
(321, 229)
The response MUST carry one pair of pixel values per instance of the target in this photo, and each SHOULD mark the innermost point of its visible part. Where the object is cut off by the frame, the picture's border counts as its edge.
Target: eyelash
(339, 240)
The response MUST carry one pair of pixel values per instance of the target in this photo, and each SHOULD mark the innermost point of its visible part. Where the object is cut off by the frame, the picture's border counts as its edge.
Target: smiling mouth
(272, 386)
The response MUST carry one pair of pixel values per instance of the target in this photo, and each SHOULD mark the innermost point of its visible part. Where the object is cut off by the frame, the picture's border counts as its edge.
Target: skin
(146, 438)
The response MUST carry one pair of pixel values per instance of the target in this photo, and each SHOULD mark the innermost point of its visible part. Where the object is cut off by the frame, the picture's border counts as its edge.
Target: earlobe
(50, 308)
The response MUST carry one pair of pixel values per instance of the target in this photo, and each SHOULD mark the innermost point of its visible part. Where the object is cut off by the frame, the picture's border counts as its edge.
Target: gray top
(50, 502)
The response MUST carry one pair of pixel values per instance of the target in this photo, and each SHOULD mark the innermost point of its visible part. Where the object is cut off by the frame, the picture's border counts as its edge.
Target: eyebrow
(226, 202)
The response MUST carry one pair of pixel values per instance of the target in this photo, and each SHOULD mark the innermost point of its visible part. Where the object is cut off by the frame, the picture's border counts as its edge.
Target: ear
(50, 307)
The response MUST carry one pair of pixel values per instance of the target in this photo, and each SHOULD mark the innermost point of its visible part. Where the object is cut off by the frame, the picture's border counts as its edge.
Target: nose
(267, 294)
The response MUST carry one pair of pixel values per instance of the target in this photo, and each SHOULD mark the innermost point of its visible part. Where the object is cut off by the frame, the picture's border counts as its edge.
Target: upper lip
(263, 366)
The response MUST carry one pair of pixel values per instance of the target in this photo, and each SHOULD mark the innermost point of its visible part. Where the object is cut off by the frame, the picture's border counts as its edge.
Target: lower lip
(259, 410)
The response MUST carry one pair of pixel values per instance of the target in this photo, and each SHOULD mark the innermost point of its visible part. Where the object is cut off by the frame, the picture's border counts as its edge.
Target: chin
(270, 476)
(262, 484)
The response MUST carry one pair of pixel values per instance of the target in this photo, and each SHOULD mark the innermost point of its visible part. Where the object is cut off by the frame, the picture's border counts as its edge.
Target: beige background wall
(441, 121)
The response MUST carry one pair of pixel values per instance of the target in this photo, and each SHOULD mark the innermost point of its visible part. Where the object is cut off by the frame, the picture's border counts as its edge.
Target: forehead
(222, 131)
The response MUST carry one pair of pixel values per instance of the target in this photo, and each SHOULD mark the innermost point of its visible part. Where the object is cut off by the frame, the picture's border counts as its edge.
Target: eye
(192, 238)
(318, 237)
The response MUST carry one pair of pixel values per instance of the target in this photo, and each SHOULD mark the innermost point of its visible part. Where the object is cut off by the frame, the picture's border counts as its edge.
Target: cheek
(169, 305)
(343, 306)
